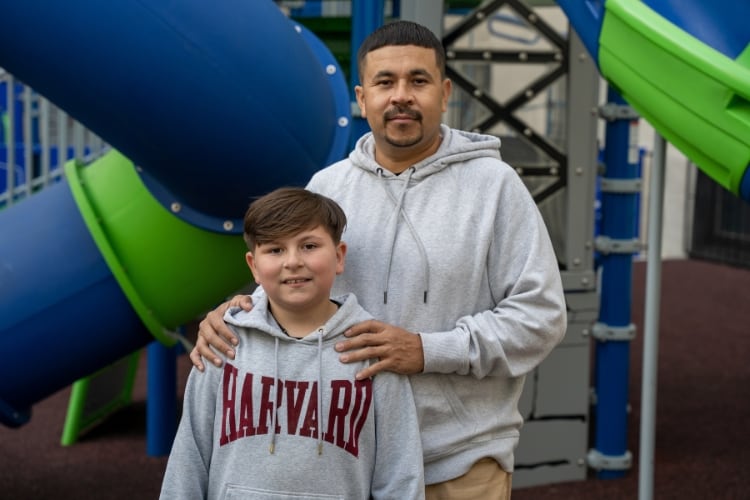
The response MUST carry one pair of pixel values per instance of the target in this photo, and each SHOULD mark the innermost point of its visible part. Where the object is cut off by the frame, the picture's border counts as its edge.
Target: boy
(286, 419)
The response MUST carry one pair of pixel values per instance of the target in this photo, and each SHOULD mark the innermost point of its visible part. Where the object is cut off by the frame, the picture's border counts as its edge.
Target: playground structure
(158, 207)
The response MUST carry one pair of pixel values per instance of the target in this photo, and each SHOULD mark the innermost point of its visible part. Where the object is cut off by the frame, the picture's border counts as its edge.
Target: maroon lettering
(228, 428)
(293, 401)
(266, 404)
(246, 408)
(341, 400)
(294, 404)
(362, 401)
(310, 424)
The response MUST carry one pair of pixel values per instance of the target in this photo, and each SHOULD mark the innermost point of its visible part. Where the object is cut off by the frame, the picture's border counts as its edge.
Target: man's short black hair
(402, 33)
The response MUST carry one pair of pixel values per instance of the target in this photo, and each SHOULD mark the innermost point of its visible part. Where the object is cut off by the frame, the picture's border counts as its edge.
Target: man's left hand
(393, 349)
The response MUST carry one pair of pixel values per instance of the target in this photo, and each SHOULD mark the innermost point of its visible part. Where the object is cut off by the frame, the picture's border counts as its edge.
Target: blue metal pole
(619, 227)
(161, 403)
(366, 17)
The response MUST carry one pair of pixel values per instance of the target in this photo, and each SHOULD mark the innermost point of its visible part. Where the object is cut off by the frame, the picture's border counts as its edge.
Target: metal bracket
(607, 245)
(601, 331)
(613, 112)
(627, 186)
(599, 461)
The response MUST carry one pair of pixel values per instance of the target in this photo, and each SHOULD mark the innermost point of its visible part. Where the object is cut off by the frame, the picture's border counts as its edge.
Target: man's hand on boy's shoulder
(214, 335)
(395, 349)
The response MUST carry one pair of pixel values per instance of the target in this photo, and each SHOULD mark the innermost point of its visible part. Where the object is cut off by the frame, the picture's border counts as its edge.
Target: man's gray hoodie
(454, 248)
(334, 437)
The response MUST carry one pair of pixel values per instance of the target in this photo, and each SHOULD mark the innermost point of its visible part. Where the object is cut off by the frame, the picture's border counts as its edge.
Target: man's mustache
(410, 113)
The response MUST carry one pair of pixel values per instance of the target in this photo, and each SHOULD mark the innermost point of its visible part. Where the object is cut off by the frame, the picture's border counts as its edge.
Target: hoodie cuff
(445, 352)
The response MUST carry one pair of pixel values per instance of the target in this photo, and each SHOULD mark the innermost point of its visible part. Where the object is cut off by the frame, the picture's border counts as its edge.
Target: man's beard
(408, 140)
(404, 142)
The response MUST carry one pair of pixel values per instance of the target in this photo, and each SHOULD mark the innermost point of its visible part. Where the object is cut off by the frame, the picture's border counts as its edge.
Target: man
(446, 242)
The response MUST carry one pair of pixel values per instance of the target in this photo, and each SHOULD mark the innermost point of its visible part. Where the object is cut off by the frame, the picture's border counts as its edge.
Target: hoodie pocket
(443, 418)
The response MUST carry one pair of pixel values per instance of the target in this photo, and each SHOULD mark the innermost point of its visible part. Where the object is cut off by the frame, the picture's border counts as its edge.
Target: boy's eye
(310, 246)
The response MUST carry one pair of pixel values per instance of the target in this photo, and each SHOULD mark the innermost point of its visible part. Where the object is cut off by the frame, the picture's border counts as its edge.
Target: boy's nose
(293, 259)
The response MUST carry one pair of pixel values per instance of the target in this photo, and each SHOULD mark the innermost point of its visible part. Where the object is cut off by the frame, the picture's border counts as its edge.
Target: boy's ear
(340, 257)
(250, 259)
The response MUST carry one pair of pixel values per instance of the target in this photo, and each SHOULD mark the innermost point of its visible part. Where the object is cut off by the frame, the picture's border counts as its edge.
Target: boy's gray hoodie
(350, 440)
(454, 248)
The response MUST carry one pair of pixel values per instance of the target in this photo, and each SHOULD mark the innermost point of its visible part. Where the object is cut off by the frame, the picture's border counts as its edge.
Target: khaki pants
(486, 480)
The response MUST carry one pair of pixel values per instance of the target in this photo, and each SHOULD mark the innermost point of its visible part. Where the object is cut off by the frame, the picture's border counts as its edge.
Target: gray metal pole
(651, 322)
(425, 12)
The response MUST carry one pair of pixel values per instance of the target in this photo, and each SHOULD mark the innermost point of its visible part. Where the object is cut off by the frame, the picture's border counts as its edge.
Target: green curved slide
(155, 257)
(697, 97)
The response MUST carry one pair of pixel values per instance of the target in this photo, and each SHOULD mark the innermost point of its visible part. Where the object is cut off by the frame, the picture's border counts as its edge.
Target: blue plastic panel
(586, 17)
(720, 24)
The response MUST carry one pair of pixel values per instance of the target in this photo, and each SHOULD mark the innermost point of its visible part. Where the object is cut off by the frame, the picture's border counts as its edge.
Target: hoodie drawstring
(320, 391)
(400, 212)
(272, 446)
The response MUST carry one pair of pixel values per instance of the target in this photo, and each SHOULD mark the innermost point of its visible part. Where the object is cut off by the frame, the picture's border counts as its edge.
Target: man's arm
(213, 333)
(528, 316)
(487, 343)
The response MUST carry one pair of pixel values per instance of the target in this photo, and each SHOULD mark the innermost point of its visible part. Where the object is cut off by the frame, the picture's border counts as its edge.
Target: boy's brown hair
(288, 211)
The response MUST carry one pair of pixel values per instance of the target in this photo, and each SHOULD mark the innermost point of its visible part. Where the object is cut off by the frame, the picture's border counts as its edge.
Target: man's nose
(402, 93)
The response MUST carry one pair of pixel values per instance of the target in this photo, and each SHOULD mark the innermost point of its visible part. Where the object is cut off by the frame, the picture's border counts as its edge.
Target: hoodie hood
(260, 318)
(457, 146)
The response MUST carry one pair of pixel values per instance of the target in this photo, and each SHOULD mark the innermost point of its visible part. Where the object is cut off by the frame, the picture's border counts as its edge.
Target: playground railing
(36, 139)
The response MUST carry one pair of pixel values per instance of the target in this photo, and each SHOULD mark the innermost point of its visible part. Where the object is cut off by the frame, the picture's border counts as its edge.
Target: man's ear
(340, 257)
(447, 88)
(360, 93)
(250, 259)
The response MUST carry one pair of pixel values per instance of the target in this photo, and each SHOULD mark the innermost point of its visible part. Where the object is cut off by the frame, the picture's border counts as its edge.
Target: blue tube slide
(214, 103)
(62, 316)
(199, 95)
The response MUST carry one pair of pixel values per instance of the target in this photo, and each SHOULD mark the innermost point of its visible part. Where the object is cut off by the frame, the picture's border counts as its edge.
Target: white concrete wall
(679, 182)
